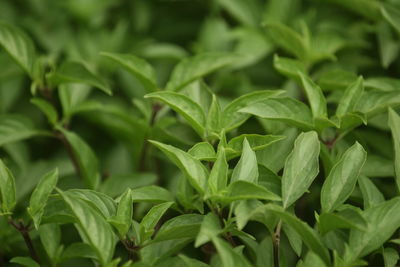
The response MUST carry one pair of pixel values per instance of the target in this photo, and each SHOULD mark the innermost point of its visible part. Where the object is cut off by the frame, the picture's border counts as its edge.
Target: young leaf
(85, 157)
(229, 256)
(194, 170)
(232, 118)
(183, 226)
(342, 178)
(19, 47)
(283, 109)
(140, 68)
(78, 250)
(152, 194)
(246, 169)
(25, 261)
(152, 217)
(75, 72)
(394, 124)
(203, 151)
(210, 228)
(371, 194)
(15, 128)
(347, 218)
(288, 39)
(308, 235)
(315, 96)
(218, 178)
(383, 220)
(123, 219)
(186, 107)
(257, 142)
(7, 189)
(190, 69)
(40, 195)
(289, 67)
(47, 109)
(392, 15)
(350, 98)
(246, 12)
(214, 118)
(301, 167)
(240, 190)
(92, 227)
(390, 257)
(50, 237)
(104, 204)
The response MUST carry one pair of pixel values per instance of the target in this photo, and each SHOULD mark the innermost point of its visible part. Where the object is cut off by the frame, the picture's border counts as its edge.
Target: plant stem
(70, 151)
(276, 240)
(142, 163)
(24, 231)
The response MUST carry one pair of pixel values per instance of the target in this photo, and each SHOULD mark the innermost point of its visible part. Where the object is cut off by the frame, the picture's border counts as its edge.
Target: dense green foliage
(199, 133)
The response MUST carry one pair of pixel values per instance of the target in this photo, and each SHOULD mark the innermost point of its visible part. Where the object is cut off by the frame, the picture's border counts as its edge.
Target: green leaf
(394, 124)
(283, 109)
(152, 217)
(78, 250)
(257, 142)
(140, 68)
(301, 167)
(182, 226)
(308, 235)
(85, 157)
(370, 193)
(210, 228)
(15, 128)
(350, 98)
(274, 156)
(367, 8)
(104, 204)
(203, 151)
(294, 239)
(347, 218)
(315, 97)
(342, 178)
(288, 39)
(50, 237)
(390, 257)
(246, 169)
(123, 219)
(18, 46)
(185, 106)
(92, 227)
(228, 255)
(25, 261)
(47, 109)
(152, 194)
(194, 170)
(218, 178)
(289, 67)
(392, 15)
(214, 118)
(7, 189)
(40, 195)
(116, 184)
(312, 260)
(232, 118)
(241, 190)
(383, 220)
(191, 69)
(245, 11)
(192, 262)
(76, 72)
